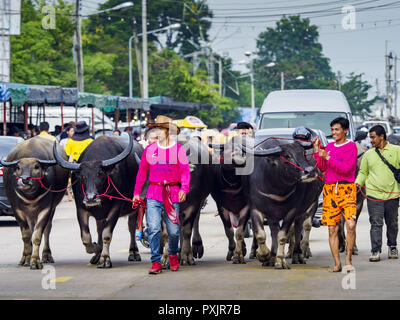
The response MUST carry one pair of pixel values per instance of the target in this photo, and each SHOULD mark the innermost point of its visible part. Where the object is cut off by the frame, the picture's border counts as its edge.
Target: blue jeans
(153, 217)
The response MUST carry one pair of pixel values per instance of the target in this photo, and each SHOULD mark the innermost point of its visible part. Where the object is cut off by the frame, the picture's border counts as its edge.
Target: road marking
(124, 251)
(61, 279)
(22, 299)
(294, 267)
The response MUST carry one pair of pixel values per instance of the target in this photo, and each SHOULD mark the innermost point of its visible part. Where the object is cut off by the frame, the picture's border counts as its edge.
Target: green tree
(293, 46)
(191, 14)
(40, 56)
(356, 91)
(171, 77)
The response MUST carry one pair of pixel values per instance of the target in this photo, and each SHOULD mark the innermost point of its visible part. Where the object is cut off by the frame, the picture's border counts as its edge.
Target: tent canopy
(160, 103)
(110, 103)
(37, 94)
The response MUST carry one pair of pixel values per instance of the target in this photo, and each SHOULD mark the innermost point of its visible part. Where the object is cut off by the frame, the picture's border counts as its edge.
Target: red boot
(174, 262)
(156, 268)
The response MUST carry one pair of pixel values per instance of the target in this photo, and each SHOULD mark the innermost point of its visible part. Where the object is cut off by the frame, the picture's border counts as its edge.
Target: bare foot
(336, 269)
(349, 268)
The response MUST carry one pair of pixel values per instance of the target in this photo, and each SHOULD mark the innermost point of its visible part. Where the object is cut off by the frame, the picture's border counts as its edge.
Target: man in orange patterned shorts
(339, 161)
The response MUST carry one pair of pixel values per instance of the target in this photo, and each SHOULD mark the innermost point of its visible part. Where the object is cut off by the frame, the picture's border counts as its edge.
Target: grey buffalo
(31, 177)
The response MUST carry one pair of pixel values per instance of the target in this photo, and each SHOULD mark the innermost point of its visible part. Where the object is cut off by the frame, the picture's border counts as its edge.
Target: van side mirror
(360, 135)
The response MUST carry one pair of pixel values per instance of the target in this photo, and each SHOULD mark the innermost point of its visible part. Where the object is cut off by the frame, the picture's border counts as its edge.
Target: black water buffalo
(230, 196)
(107, 164)
(33, 204)
(277, 190)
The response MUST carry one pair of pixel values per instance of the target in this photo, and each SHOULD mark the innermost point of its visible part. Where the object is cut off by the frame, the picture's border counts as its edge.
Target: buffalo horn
(261, 152)
(62, 162)
(48, 162)
(8, 164)
(120, 157)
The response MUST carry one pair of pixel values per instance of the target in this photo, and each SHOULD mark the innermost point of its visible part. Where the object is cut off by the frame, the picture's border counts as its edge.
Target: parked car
(6, 144)
(386, 124)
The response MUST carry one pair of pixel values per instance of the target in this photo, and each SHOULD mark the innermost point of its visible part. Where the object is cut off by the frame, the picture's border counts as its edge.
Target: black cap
(244, 125)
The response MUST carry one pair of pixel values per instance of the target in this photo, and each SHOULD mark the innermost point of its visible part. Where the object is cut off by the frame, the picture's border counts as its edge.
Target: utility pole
(78, 47)
(339, 81)
(389, 66)
(144, 49)
(220, 76)
(252, 84)
(395, 86)
(282, 80)
(211, 67)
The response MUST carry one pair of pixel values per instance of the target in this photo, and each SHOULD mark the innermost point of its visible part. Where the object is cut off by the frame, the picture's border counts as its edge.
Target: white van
(312, 108)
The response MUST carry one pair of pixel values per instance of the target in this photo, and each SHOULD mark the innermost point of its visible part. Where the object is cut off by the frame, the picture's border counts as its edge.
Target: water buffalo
(230, 197)
(108, 164)
(29, 167)
(277, 191)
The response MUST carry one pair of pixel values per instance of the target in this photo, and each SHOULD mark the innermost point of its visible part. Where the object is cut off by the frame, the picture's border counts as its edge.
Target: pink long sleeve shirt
(165, 164)
(342, 163)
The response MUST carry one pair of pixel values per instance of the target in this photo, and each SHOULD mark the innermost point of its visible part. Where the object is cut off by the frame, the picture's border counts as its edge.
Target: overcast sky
(237, 23)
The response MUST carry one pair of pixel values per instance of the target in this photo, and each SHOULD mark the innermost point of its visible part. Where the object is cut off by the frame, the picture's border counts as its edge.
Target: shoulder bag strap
(393, 169)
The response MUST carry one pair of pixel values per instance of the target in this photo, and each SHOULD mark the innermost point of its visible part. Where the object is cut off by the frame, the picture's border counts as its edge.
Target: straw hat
(166, 123)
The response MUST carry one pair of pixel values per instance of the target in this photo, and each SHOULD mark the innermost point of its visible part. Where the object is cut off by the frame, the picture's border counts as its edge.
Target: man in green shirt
(382, 191)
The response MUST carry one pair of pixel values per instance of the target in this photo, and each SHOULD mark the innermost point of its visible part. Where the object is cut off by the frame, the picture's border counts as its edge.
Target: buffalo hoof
(263, 258)
(281, 264)
(355, 250)
(229, 256)
(95, 259)
(188, 261)
(238, 260)
(25, 261)
(165, 261)
(342, 248)
(104, 263)
(270, 262)
(298, 258)
(135, 256)
(252, 255)
(47, 258)
(305, 249)
(36, 264)
(198, 250)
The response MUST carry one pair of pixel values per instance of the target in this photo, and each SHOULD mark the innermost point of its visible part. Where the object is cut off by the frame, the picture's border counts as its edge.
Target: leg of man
(153, 218)
(376, 214)
(350, 240)
(173, 232)
(391, 219)
(334, 245)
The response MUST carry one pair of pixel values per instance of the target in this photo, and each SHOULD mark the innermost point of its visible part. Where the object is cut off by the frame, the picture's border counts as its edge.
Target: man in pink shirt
(169, 177)
(339, 161)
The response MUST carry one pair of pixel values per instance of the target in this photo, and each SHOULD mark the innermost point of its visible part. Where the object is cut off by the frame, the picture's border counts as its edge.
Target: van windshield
(312, 120)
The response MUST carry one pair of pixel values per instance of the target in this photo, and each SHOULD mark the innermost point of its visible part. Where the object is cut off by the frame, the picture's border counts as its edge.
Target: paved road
(211, 278)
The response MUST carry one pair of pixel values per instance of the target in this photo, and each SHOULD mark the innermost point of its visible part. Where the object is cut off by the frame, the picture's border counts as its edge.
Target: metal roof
(305, 100)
